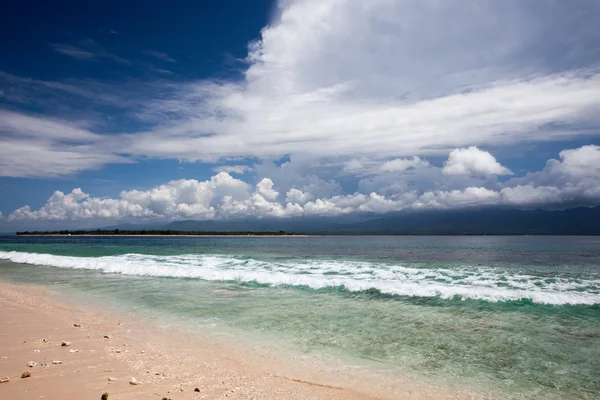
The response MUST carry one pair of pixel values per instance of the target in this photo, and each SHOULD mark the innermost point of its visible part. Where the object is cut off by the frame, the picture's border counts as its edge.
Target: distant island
(149, 232)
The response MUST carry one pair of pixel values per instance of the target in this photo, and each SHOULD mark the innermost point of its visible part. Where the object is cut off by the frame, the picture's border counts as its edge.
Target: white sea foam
(483, 283)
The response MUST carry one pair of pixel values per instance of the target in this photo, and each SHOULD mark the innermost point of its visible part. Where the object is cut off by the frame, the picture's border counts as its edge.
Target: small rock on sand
(134, 381)
(77, 325)
(73, 351)
(56, 362)
(4, 379)
(36, 351)
(117, 350)
(104, 396)
(31, 364)
(112, 378)
(65, 344)
(44, 364)
(25, 375)
(106, 336)
(197, 390)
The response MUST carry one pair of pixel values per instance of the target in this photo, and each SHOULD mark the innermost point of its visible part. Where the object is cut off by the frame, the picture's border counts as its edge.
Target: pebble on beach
(65, 344)
(197, 390)
(31, 364)
(4, 379)
(112, 378)
(134, 381)
(106, 336)
(25, 375)
(73, 351)
(56, 362)
(104, 396)
(77, 325)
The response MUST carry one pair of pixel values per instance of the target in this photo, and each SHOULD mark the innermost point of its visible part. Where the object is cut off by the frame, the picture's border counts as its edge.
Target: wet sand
(166, 362)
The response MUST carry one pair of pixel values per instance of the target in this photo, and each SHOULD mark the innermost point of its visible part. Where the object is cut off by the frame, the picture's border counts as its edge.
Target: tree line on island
(149, 232)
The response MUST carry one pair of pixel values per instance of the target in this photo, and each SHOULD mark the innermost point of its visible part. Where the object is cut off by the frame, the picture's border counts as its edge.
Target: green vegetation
(144, 232)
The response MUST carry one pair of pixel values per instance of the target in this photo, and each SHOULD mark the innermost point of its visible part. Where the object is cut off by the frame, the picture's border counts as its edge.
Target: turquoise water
(519, 316)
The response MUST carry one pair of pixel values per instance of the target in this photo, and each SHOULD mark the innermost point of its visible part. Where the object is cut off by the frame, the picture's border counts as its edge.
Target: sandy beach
(105, 351)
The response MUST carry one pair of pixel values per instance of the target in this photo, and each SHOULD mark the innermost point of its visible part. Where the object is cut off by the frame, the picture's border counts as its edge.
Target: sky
(160, 111)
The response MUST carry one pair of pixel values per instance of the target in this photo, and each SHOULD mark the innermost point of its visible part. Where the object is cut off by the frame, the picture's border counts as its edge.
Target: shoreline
(10, 234)
(94, 235)
(168, 363)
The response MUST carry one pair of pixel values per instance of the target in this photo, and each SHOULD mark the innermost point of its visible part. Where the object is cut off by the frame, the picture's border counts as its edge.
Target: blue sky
(152, 111)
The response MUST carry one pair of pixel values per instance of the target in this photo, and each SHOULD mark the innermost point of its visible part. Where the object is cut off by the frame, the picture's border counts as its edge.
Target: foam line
(482, 283)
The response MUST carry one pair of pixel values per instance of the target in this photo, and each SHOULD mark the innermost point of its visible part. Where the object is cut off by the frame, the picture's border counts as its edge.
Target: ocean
(518, 317)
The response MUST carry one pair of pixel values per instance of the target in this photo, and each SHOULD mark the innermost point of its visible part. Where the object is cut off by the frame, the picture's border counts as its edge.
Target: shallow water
(519, 316)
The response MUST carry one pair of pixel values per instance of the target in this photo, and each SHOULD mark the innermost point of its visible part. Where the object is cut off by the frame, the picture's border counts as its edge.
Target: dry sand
(167, 363)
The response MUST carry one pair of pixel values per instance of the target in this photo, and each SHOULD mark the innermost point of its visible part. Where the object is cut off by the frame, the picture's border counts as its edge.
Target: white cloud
(581, 162)
(572, 180)
(161, 56)
(177, 199)
(474, 162)
(575, 178)
(471, 196)
(192, 199)
(265, 189)
(297, 196)
(400, 165)
(37, 147)
(366, 82)
(237, 169)
(531, 195)
(389, 79)
(72, 51)
(92, 52)
(17, 124)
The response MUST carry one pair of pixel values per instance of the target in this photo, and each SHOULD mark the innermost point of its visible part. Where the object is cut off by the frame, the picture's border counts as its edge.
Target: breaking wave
(479, 283)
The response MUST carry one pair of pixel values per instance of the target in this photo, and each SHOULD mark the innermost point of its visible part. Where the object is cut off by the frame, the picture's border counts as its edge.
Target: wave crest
(478, 283)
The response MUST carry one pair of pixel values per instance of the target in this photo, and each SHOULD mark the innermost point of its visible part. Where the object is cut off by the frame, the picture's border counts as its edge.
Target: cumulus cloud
(574, 179)
(472, 161)
(580, 162)
(297, 196)
(265, 189)
(177, 199)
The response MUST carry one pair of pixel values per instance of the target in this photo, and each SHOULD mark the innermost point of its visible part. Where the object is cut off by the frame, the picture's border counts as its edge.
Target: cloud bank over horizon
(565, 181)
(373, 93)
